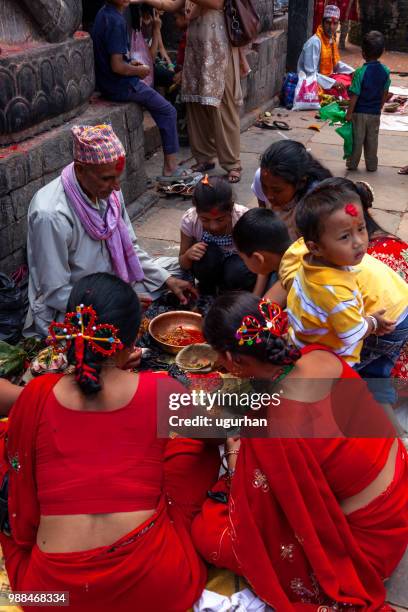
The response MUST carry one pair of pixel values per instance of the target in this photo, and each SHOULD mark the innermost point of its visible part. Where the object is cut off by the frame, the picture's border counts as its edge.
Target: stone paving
(158, 228)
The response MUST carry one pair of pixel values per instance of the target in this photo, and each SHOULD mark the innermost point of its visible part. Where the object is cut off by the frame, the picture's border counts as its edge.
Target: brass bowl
(163, 323)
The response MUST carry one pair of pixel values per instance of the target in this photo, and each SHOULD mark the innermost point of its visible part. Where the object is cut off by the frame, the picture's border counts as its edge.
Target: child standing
(206, 245)
(332, 294)
(369, 91)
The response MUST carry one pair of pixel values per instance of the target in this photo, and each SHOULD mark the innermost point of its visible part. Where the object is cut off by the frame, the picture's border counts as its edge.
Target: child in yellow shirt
(332, 294)
(260, 238)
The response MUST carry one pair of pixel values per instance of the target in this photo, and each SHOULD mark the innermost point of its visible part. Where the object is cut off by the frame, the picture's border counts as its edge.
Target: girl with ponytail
(302, 519)
(288, 171)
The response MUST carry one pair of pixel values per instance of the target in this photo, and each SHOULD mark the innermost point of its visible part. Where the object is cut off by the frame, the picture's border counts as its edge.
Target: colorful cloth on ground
(394, 253)
(344, 79)
(329, 54)
(283, 529)
(111, 228)
(370, 81)
(136, 567)
(96, 144)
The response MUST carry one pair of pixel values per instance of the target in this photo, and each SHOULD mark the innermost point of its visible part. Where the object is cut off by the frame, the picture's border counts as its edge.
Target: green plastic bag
(333, 113)
(346, 132)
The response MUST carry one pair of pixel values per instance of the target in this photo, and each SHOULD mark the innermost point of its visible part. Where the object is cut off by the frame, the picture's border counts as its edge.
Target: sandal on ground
(234, 175)
(403, 170)
(273, 125)
(178, 175)
(203, 167)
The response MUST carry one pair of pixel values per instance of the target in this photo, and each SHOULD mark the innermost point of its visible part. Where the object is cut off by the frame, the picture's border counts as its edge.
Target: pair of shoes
(180, 174)
(273, 125)
(184, 188)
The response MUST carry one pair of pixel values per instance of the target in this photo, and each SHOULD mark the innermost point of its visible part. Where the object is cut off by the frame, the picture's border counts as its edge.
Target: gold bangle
(231, 452)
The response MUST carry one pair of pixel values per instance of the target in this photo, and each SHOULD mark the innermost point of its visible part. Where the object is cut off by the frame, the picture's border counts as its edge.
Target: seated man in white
(320, 54)
(78, 224)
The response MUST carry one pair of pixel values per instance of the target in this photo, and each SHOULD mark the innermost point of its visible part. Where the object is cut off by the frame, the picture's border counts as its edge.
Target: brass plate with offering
(172, 331)
(198, 358)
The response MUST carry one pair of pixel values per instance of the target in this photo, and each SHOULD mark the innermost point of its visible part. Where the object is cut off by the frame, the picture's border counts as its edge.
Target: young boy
(369, 91)
(119, 79)
(262, 238)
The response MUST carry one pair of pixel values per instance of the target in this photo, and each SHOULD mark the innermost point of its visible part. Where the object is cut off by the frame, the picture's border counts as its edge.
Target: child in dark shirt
(369, 91)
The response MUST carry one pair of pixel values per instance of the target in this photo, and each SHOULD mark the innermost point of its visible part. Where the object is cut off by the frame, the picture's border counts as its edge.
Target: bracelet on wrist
(374, 322)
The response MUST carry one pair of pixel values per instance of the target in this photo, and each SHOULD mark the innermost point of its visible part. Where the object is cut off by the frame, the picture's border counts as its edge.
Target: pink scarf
(111, 228)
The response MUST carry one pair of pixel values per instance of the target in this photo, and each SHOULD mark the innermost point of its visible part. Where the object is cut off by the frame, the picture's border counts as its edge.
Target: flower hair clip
(80, 326)
(276, 323)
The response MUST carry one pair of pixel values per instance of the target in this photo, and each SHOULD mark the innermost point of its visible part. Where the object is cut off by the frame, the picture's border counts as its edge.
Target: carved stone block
(44, 87)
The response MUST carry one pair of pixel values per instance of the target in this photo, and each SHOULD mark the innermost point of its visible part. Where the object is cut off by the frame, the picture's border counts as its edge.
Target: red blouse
(101, 462)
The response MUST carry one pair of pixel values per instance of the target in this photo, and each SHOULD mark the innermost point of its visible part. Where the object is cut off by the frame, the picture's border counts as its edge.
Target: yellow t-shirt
(325, 306)
(380, 286)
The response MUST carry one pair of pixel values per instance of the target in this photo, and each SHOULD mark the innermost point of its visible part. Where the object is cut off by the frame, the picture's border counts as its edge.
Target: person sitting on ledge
(78, 224)
(320, 54)
(120, 80)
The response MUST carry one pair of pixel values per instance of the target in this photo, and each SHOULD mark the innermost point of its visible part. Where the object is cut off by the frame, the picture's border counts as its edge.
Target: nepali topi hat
(97, 144)
(331, 12)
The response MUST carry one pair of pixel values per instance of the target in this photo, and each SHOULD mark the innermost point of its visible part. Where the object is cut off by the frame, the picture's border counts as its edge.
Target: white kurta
(309, 63)
(60, 252)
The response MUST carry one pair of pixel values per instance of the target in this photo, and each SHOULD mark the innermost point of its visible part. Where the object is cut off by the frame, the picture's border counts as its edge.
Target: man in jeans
(119, 80)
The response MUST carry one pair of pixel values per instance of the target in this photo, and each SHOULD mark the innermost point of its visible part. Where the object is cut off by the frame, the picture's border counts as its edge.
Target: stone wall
(25, 168)
(268, 63)
(389, 17)
(41, 159)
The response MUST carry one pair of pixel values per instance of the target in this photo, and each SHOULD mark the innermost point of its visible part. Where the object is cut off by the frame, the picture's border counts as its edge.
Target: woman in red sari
(99, 506)
(392, 251)
(311, 523)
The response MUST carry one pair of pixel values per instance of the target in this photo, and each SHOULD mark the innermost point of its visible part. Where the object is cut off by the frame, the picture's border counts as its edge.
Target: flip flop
(180, 174)
(273, 125)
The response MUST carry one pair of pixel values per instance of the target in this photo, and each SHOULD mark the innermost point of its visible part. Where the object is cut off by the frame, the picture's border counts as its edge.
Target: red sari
(393, 252)
(283, 528)
(155, 565)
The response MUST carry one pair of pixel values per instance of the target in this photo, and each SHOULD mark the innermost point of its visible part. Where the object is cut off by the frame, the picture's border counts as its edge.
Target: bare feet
(403, 170)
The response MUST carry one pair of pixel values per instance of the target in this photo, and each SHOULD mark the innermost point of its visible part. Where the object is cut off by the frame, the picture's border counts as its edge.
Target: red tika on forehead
(120, 164)
(215, 212)
(351, 209)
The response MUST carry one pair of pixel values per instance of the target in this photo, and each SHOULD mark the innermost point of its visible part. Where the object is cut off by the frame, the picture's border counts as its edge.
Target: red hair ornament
(276, 323)
(80, 327)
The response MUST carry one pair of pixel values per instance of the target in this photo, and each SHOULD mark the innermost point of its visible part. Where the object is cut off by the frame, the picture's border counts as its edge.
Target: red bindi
(215, 212)
(351, 209)
(120, 164)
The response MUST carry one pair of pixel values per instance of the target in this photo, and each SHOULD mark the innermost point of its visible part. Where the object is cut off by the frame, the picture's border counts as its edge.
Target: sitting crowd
(314, 515)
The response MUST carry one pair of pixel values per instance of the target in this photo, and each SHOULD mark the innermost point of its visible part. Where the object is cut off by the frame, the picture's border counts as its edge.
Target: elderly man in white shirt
(78, 224)
(320, 53)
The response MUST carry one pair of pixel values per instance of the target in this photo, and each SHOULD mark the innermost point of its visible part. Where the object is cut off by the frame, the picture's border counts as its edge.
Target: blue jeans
(163, 113)
(378, 358)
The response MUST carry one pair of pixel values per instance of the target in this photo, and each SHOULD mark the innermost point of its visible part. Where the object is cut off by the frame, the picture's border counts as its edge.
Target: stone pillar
(299, 29)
